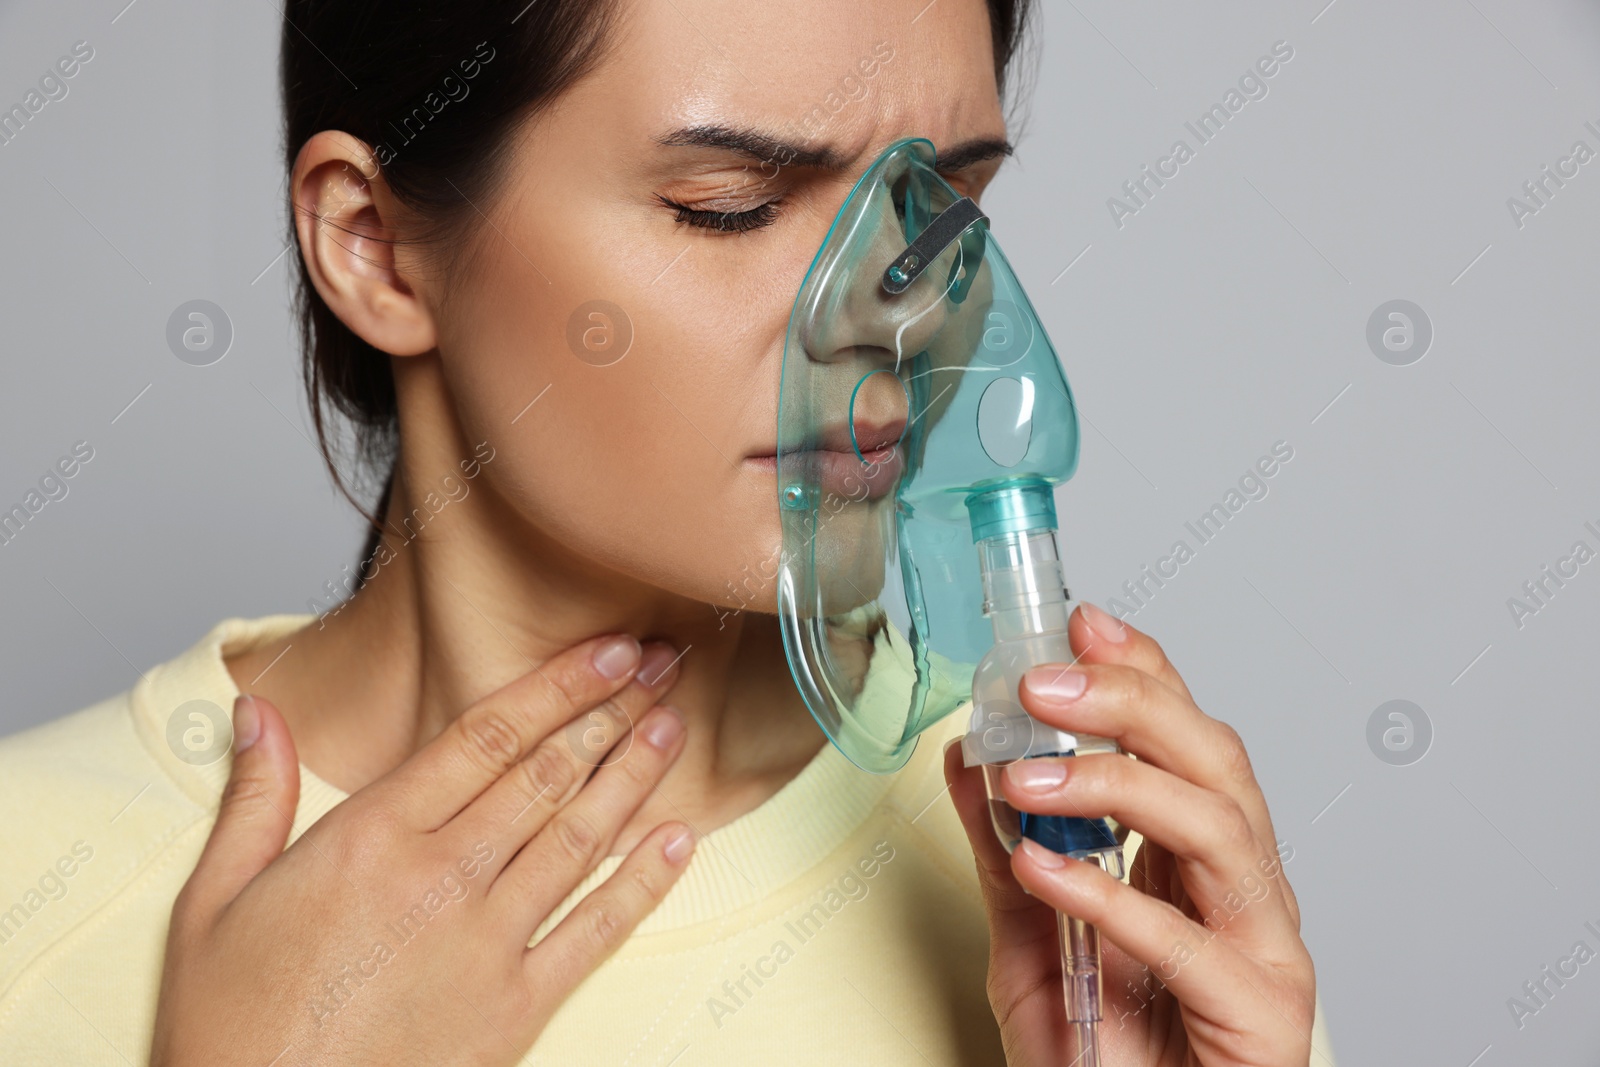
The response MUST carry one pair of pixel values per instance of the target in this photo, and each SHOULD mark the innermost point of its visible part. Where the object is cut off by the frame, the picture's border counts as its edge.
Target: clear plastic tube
(1081, 988)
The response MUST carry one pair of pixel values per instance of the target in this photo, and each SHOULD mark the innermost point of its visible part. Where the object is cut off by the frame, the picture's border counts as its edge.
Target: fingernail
(246, 722)
(679, 845)
(1056, 683)
(1043, 856)
(663, 727)
(617, 656)
(1038, 775)
(1108, 627)
(657, 659)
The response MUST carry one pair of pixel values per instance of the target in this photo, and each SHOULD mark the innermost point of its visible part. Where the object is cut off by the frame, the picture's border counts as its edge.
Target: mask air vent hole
(1005, 420)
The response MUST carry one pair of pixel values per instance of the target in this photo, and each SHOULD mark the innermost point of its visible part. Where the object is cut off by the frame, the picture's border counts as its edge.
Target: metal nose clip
(952, 222)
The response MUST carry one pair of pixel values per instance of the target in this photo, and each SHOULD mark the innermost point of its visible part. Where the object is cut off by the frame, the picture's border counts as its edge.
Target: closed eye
(724, 221)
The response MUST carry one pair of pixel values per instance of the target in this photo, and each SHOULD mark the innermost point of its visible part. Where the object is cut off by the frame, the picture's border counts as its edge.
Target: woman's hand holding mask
(1202, 958)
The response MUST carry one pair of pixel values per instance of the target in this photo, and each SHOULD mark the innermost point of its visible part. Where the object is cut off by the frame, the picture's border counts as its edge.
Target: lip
(833, 465)
(869, 437)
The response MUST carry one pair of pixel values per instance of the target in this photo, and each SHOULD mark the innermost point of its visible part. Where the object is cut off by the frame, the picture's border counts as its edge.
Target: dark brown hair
(435, 87)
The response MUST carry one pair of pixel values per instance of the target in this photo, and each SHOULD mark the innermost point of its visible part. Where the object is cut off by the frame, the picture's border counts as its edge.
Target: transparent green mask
(916, 378)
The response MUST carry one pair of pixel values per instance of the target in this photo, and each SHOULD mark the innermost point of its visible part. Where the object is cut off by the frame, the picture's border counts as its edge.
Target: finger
(1151, 720)
(494, 734)
(605, 918)
(1155, 872)
(257, 808)
(517, 806)
(580, 835)
(1205, 972)
(1004, 897)
(1097, 637)
(1022, 930)
(1230, 877)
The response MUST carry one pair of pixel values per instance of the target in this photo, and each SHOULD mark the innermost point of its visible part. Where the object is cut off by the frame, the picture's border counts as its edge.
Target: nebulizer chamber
(924, 423)
(1027, 604)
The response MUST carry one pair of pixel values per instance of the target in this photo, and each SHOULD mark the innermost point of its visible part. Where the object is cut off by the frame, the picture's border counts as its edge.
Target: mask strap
(952, 222)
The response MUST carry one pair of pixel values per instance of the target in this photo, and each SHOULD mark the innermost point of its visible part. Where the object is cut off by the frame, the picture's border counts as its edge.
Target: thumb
(258, 804)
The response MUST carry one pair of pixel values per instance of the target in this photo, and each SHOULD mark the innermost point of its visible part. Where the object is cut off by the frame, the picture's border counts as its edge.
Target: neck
(464, 595)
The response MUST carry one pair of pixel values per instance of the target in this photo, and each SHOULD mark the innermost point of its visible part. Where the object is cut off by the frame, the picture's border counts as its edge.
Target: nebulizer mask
(924, 422)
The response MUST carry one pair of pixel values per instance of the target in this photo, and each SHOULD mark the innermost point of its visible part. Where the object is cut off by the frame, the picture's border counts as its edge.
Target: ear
(345, 218)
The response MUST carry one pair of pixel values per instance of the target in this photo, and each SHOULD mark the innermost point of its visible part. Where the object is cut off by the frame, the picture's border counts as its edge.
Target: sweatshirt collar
(734, 866)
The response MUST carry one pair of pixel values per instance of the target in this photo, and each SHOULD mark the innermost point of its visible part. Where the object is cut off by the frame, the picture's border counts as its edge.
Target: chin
(739, 570)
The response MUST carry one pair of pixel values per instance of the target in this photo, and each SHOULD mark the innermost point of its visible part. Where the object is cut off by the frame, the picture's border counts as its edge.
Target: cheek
(642, 413)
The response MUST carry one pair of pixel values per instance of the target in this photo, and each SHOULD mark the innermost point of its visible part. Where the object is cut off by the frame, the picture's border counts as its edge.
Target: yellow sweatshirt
(839, 922)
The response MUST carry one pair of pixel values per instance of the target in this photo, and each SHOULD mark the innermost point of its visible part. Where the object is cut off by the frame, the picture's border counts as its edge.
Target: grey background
(1228, 314)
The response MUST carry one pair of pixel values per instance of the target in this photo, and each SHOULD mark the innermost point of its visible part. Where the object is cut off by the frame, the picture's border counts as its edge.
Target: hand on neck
(464, 595)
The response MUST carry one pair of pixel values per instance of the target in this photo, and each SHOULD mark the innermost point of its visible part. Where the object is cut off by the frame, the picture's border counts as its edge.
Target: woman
(544, 781)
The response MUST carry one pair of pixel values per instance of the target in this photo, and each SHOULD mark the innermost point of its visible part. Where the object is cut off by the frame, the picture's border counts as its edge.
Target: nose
(851, 317)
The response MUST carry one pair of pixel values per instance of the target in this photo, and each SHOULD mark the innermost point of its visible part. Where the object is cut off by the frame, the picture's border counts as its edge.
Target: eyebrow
(766, 148)
(969, 153)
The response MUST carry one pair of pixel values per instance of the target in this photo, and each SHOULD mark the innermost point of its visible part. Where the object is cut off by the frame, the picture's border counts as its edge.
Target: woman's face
(645, 251)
